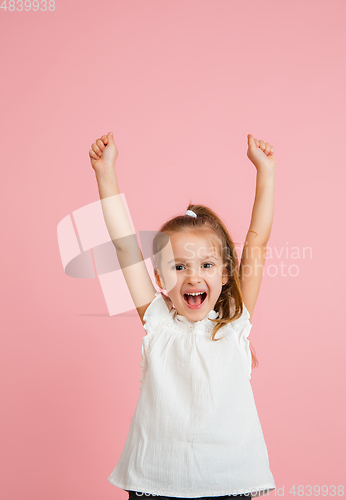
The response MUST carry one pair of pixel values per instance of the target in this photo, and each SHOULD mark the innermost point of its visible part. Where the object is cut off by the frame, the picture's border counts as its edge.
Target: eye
(178, 265)
(205, 264)
(208, 264)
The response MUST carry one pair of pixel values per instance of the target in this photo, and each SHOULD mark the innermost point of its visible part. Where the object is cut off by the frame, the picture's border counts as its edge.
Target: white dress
(195, 431)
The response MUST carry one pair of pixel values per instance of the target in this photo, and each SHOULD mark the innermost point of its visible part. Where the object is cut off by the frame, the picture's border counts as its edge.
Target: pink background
(181, 84)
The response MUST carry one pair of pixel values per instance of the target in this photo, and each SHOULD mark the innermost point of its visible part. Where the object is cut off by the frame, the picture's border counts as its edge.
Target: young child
(195, 432)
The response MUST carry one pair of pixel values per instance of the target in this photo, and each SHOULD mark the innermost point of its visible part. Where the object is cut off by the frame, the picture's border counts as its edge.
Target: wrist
(107, 184)
(106, 175)
(265, 173)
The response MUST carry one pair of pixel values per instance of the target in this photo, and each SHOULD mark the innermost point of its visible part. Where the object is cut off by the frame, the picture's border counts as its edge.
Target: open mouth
(194, 301)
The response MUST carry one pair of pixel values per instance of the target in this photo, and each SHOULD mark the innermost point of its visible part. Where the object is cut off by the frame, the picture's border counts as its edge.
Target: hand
(261, 154)
(103, 154)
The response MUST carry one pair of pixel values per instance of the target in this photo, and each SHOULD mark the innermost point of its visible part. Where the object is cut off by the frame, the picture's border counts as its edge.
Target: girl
(195, 432)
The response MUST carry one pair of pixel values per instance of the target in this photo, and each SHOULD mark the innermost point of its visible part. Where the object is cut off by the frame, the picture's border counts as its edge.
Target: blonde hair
(208, 221)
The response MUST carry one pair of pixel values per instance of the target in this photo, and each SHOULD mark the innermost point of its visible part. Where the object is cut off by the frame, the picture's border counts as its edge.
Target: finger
(251, 141)
(100, 144)
(262, 145)
(96, 149)
(104, 138)
(271, 151)
(267, 149)
(93, 155)
(255, 140)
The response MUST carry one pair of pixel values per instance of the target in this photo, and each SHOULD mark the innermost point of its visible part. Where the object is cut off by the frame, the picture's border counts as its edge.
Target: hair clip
(191, 213)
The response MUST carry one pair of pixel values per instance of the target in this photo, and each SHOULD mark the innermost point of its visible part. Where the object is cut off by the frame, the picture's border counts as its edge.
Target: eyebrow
(203, 258)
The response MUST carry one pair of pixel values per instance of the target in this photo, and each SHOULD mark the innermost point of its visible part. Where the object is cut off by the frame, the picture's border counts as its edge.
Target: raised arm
(255, 246)
(103, 156)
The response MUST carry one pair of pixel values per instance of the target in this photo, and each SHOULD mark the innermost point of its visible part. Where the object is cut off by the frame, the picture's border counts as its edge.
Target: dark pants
(137, 495)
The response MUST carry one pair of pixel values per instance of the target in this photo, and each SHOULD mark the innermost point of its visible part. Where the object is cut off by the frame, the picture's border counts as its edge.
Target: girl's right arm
(102, 156)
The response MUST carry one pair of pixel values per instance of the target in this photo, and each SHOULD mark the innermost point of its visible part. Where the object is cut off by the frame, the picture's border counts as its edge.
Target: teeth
(198, 293)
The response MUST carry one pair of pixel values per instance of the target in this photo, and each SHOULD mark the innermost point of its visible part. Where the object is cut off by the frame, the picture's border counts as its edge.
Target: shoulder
(242, 325)
(242, 315)
(245, 316)
(156, 312)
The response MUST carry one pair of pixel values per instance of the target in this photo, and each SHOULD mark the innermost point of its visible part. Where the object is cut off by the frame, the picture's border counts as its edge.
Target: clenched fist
(103, 154)
(261, 154)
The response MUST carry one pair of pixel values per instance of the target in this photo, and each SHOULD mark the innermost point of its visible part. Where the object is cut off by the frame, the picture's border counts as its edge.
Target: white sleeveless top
(195, 431)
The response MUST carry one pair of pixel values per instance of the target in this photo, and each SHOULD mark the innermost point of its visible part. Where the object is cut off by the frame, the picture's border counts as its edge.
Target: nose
(193, 277)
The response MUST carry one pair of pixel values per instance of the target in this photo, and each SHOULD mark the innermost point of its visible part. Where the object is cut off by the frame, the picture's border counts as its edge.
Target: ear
(225, 276)
(158, 279)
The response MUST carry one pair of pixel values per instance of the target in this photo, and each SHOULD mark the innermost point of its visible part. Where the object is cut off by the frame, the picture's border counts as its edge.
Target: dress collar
(179, 318)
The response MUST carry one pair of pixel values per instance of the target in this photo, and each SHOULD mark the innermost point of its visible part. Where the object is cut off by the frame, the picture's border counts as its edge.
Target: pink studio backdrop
(180, 84)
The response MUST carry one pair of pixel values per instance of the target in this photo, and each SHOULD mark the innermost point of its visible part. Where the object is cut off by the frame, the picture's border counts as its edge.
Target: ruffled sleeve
(242, 328)
(156, 312)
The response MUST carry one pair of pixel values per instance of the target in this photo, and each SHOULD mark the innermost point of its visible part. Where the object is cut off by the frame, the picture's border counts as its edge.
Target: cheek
(214, 274)
(171, 281)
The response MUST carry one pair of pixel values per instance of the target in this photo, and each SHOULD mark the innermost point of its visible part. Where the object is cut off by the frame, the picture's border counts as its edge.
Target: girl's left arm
(253, 256)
